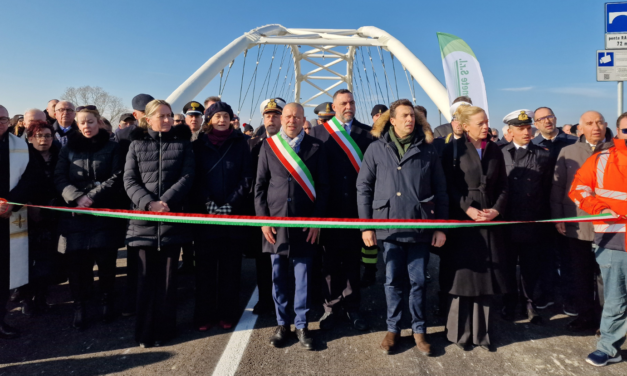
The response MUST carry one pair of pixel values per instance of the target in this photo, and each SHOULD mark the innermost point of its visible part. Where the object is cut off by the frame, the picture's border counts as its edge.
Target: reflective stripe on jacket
(601, 183)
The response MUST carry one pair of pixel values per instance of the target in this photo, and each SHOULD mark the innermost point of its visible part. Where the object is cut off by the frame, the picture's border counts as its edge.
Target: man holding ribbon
(345, 140)
(291, 181)
(18, 178)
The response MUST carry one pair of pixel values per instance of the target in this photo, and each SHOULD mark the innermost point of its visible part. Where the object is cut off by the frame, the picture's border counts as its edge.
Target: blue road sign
(616, 17)
(605, 59)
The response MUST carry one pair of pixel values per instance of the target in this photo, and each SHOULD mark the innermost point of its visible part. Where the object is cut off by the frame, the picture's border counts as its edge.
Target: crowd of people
(203, 161)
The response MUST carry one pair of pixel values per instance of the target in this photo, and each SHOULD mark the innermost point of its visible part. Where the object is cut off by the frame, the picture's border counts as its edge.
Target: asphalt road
(49, 346)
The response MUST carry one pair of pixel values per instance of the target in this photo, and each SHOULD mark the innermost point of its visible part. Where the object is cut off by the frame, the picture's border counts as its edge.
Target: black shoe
(304, 338)
(369, 277)
(80, 317)
(7, 331)
(488, 348)
(28, 308)
(107, 308)
(40, 302)
(281, 333)
(15, 296)
(534, 316)
(570, 310)
(262, 308)
(357, 321)
(327, 321)
(508, 314)
(581, 324)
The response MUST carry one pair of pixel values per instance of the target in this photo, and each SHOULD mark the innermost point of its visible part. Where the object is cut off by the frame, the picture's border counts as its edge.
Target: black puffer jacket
(142, 178)
(91, 167)
(223, 175)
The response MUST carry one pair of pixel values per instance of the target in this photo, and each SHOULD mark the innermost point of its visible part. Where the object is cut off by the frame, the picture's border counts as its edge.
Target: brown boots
(389, 342)
(422, 345)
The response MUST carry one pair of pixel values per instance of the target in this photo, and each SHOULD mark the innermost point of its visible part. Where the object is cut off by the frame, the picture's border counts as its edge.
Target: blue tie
(346, 128)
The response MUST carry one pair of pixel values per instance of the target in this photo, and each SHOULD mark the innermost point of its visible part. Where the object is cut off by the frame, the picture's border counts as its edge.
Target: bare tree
(108, 105)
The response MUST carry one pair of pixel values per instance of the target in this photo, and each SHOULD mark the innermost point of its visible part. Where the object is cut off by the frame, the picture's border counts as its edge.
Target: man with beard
(65, 114)
(272, 111)
(345, 140)
(19, 176)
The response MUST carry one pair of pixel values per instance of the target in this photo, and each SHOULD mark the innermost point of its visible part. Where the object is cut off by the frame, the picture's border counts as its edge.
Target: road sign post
(612, 63)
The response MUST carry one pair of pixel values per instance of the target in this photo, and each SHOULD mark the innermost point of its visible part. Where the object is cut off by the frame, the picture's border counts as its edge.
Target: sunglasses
(89, 107)
(623, 131)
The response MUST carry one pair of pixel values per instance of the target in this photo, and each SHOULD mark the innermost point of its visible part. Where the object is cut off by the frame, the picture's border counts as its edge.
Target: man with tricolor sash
(345, 140)
(292, 181)
(18, 178)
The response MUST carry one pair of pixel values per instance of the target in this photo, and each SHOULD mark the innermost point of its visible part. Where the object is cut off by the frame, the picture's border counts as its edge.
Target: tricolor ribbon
(346, 142)
(300, 222)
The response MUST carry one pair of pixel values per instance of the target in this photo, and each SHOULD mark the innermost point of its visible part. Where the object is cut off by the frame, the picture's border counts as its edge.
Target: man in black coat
(272, 124)
(554, 140)
(402, 178)
(298, 188)
(342, 248)
(530, 174)
(65, 114)
(124, 138)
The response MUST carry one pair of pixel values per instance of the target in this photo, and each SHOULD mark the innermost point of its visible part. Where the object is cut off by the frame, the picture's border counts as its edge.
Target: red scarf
(217, 137)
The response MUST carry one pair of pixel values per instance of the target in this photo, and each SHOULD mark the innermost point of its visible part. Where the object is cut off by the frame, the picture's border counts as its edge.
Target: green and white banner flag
(462, 71)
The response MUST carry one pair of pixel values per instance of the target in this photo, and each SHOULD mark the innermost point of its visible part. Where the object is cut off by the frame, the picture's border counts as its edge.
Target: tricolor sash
(346, 142)
(294, 165)
(18, 223)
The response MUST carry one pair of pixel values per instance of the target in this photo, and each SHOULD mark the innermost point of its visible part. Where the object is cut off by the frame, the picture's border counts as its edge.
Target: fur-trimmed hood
(181, 132)
(382, 125)
(81, 144)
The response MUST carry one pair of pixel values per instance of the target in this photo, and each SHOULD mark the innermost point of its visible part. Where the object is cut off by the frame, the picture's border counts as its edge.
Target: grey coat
(90, 167)
(570, 159)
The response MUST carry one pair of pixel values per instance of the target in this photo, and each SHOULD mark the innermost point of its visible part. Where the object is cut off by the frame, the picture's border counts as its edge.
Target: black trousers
(263, 267)
(218, 270)
(156, 294)
(188, 255)
(81, 271)
(4, 299)
(130, 290)
(341, 267)
(555, 258)
(584, 269)
(528, 256)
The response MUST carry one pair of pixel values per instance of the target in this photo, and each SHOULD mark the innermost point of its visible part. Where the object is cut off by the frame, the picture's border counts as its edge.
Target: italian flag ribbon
(346, 142)
(292, 162)
(298, 222)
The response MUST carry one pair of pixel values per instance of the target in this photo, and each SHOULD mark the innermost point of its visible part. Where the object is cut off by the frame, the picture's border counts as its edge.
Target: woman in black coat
(473, 260)
(158, 177)
(224, 173)
(89, 175)
(43, 236)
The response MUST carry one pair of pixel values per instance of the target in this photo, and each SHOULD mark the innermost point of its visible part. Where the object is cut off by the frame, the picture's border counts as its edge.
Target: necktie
(346, 128)
(520, 154)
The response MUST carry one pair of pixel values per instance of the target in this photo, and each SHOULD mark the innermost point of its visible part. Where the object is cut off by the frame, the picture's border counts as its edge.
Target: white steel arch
(311, 45)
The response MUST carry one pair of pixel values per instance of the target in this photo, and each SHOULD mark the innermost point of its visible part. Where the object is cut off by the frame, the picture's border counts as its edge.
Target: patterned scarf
(293, 142)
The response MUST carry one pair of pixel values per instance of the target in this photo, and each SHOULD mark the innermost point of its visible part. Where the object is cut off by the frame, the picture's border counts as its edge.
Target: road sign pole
(620, 98)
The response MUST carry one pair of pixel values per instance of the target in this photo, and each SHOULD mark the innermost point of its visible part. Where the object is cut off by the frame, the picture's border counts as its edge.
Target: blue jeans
(613, 265)
(404, 260)
(280, 288)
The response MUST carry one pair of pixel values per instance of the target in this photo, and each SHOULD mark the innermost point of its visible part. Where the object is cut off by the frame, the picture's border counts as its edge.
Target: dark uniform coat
(278, 194)
(91, 167)
(529, 174)
(473, 259)
(342, 176)
(561, 141)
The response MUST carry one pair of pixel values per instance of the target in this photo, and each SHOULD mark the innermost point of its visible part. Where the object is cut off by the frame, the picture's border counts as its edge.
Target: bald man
(51, 117)
(579, 267)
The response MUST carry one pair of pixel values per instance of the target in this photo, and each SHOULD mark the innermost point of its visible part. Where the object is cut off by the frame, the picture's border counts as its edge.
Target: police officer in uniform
(530, 174)
(377, 111)
(193, 117)
(325, 112)
(342, 248)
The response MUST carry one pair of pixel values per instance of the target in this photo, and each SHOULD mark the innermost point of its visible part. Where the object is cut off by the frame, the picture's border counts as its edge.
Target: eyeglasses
(43, 136)
(4, 120)
(495, 137)
(545, 119)
(68, 110)
(88, 107)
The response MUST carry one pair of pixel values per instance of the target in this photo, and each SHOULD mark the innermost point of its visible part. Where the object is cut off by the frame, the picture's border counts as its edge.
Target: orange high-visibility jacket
(601, 183)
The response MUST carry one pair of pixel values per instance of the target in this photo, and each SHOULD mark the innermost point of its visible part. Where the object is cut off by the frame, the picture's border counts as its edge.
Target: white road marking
(232, 355)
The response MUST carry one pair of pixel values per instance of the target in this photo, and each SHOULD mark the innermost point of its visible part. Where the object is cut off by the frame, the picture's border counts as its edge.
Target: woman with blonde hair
(158, 177)
(473, 259)
(88, 174)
